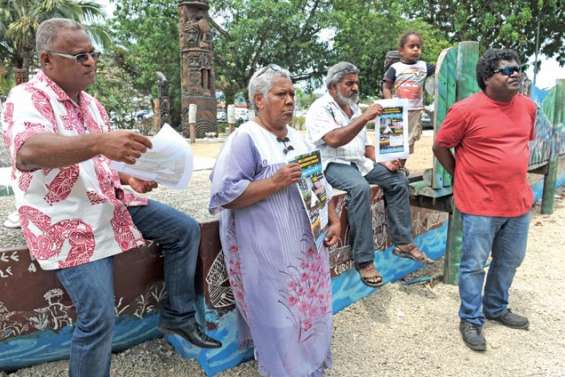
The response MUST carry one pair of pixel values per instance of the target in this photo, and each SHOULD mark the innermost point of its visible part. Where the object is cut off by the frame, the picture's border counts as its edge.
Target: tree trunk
(21, 75)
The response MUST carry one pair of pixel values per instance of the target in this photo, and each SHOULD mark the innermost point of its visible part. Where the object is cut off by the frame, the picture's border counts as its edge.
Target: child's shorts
(414, 128)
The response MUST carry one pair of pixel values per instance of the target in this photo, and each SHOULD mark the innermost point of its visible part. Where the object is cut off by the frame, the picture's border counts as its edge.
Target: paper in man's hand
(168, 162)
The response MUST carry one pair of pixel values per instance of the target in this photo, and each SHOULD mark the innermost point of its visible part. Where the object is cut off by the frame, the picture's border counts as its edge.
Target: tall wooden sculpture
(197, 56)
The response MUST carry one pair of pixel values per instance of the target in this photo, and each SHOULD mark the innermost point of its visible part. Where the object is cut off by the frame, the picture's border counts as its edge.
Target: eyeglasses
(508, 71)
(271, 67)
(284, 141)
(81, 57)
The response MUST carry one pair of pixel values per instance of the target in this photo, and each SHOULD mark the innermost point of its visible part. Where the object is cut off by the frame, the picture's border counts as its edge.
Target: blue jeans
(397, 198)
(506, 237)
(90, 287)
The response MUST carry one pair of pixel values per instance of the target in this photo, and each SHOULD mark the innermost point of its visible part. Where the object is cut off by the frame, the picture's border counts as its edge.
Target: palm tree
(19, 20)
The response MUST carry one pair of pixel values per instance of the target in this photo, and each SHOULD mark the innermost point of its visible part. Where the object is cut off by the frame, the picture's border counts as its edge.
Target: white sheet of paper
(168, 162)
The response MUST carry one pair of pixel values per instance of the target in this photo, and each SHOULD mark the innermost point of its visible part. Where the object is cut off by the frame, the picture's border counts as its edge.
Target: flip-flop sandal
(373, 281)
(406, 254)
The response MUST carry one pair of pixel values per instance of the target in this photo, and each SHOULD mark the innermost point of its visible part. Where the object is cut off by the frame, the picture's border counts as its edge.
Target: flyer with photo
(391, 130)
(312, 187)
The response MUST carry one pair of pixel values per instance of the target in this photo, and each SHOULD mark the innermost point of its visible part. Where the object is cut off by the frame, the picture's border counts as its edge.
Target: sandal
(411, 251)
(370, 276)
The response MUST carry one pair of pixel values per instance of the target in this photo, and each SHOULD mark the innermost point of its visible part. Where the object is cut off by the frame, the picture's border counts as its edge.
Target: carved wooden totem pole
(197, 78)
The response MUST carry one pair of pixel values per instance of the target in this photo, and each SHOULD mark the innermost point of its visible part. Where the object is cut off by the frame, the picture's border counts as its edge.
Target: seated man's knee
(400, 184)
(361, 190)
(189, 229)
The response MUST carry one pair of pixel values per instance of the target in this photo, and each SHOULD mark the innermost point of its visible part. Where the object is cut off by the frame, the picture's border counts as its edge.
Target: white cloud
(549, 72)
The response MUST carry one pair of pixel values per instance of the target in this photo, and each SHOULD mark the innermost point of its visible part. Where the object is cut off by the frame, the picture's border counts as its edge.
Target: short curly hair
(488, 63)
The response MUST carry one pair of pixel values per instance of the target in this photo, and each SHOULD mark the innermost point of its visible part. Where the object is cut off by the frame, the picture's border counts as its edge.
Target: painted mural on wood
(215, 282)
(32, 300)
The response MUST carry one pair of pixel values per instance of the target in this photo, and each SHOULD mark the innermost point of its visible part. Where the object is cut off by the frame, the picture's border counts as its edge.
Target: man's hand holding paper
(167, 162)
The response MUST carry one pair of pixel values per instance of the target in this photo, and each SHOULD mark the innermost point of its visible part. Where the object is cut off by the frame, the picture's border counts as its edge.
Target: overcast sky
(550, 69)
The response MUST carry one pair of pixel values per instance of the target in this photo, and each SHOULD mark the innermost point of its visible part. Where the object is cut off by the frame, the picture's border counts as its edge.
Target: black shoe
(193, 334)
(512, 320)
(473, 336)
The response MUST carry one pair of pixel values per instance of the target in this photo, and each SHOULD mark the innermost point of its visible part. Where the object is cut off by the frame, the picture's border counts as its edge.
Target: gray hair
(48, 30)
(337, 72)
(262, 80)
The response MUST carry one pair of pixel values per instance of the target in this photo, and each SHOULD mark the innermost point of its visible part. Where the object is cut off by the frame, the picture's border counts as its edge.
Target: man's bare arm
(48, 150)
(445, 157)
(341, 136)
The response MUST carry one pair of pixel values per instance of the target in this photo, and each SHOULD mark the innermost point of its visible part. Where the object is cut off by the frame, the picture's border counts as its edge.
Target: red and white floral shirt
(75, 214)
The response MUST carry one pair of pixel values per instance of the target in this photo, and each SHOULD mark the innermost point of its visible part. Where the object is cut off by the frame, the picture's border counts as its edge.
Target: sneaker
(473, 336)
(512, 320)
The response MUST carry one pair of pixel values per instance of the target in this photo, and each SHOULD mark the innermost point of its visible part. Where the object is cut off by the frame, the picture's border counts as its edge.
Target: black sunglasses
(284, 141)
(508, 71)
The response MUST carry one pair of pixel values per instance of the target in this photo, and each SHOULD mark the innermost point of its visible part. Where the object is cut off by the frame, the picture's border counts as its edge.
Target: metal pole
(536, 56)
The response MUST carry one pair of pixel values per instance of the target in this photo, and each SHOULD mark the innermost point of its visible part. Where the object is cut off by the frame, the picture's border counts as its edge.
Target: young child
(405, 79)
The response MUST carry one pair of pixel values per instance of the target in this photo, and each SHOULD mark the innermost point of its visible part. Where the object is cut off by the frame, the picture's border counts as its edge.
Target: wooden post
(157, 115)
(467, 58)
(192, 109)
(550, 178)
(231, 118)
(453, 248)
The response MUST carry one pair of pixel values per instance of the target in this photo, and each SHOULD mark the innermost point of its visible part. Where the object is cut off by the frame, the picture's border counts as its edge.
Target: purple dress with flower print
(281, 283)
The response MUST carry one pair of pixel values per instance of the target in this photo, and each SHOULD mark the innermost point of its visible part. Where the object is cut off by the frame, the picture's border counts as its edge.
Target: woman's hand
(333, 235)
(287, 175)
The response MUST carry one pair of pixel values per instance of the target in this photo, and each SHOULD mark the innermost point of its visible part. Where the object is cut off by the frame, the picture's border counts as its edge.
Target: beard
(350, 101)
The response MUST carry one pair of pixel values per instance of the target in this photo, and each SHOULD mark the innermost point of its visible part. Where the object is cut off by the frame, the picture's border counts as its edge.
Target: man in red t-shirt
(490, 131)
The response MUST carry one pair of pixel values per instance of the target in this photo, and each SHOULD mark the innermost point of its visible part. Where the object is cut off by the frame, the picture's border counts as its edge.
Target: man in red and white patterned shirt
(74, 213)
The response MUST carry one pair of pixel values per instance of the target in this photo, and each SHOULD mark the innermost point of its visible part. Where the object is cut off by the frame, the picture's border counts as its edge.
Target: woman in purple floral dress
(281, 282)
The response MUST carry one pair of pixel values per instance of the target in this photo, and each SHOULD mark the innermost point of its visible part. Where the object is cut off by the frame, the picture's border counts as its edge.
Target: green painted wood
(467, 58)
(549, 184)
(454, 243)
(465, 85)
(444, 98)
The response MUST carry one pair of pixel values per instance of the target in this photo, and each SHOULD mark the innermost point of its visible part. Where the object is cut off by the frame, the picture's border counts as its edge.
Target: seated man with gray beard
(336, 125)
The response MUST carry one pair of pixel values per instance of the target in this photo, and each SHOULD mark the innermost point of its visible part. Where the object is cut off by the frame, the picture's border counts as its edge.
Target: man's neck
(344, 106)
(500, 96)
(73, 94)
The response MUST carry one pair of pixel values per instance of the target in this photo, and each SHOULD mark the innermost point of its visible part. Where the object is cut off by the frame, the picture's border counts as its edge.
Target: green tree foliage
(366, 30)
(511, 24)
(269, 31)
(148, 36)
(19, 20)
(114, 89)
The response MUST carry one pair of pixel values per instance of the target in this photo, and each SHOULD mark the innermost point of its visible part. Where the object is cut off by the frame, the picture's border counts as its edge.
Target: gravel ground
(413, 330)
(403, 330)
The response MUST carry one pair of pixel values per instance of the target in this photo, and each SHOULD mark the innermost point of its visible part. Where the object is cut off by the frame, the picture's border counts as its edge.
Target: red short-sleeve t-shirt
(491, 154)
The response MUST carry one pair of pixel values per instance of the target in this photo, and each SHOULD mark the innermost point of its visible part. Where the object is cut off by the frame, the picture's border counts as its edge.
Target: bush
(298, 122)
